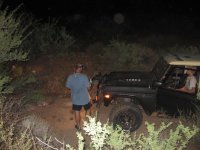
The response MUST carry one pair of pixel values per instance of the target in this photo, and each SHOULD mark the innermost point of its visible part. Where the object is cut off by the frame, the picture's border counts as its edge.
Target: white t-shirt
(191, 82)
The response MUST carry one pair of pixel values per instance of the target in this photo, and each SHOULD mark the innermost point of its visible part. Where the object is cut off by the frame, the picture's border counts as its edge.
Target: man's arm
(68, 83)
(186, 90)
(88, 84)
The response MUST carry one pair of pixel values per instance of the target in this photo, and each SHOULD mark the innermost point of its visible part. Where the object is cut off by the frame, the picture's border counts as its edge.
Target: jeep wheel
(129, 117)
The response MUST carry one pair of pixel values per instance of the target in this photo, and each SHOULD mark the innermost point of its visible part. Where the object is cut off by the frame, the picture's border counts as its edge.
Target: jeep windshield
(160, 69)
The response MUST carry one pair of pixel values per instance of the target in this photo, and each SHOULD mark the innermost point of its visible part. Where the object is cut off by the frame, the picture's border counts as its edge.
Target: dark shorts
(78, 107)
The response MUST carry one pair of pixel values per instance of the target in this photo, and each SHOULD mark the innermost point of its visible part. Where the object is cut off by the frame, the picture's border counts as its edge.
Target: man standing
(79, 84)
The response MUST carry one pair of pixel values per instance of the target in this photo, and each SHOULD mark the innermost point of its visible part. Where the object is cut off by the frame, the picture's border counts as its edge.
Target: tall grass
(192, 119)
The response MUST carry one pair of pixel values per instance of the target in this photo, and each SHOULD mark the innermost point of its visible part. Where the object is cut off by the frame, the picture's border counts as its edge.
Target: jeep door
(175, 102)
(172, 101)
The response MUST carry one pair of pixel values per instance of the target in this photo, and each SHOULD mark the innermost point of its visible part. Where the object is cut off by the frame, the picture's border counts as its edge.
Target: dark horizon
(154, 16)
(102, 7)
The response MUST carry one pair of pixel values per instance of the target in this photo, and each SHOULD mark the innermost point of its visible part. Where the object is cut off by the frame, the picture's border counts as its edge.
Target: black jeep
(132, 92)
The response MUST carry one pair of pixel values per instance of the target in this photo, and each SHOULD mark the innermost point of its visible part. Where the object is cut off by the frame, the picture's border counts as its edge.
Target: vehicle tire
(128, 116)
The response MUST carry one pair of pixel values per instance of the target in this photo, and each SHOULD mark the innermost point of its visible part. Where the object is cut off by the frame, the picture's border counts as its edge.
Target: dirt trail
(52, 73)
(60, 117)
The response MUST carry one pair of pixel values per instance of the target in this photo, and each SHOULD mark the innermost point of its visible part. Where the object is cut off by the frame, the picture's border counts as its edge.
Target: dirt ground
(60, 118)
(56, 109)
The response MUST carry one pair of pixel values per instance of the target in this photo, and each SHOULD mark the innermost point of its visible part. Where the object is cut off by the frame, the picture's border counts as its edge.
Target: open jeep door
(175, 102)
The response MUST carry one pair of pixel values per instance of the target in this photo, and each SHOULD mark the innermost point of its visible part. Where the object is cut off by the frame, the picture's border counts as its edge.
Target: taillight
(97, 98)
(107, 96)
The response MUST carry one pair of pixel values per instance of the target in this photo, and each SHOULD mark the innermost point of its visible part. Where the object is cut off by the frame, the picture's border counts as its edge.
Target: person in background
(191, 82)
(79, 85)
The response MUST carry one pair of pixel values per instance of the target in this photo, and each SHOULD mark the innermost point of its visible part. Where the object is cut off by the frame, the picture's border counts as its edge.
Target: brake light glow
(97, 98)
(107, 96)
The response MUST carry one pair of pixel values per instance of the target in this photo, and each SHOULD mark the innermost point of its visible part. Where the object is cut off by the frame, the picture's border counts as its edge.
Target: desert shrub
(34, 96)
(126, 56)
(198, 94)
(181, 49)
(103, 136)
(17, 132)
(175, 139)
(22, 81)
(49, 38)
(193, 119)
(12, 34)
(9, 139)
(157, 41)
(4, 88)
(13, 31)
(12, 137)
(27, 88)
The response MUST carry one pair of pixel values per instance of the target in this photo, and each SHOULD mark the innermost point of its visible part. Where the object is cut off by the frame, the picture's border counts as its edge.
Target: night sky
(107, 7)
(157, 14)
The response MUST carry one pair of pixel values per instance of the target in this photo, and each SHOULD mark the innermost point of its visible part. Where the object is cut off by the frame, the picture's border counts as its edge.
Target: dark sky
(102, 7)
(144, 15)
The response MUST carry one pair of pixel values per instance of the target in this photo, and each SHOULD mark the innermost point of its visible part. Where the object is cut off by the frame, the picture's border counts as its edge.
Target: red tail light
(97, 98)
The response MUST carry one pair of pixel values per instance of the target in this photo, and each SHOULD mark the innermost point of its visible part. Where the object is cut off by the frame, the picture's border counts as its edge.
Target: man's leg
(77, 115)
(88, 109)
(77, 118)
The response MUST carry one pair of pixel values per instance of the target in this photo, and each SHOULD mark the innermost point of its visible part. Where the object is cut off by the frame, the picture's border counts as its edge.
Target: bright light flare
(107, 96)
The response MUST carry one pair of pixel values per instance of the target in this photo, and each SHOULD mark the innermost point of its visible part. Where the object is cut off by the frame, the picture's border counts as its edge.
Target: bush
(157, 41)
(120, 56)
(10, 136)
(103, 136)
(10, 140)
(49, 38)
(22, 81)
(12, 33)
(26, 86)
(192, 119)
(181, 50)
(34, 96)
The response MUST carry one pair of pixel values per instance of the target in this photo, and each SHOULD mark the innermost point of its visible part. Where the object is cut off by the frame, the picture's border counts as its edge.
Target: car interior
(176, 78)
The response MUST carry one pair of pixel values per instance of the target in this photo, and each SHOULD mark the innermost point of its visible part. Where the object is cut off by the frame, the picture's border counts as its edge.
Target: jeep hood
(137, 79)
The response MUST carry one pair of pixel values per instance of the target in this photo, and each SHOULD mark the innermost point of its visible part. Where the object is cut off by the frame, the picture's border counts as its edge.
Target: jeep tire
(128, 116)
